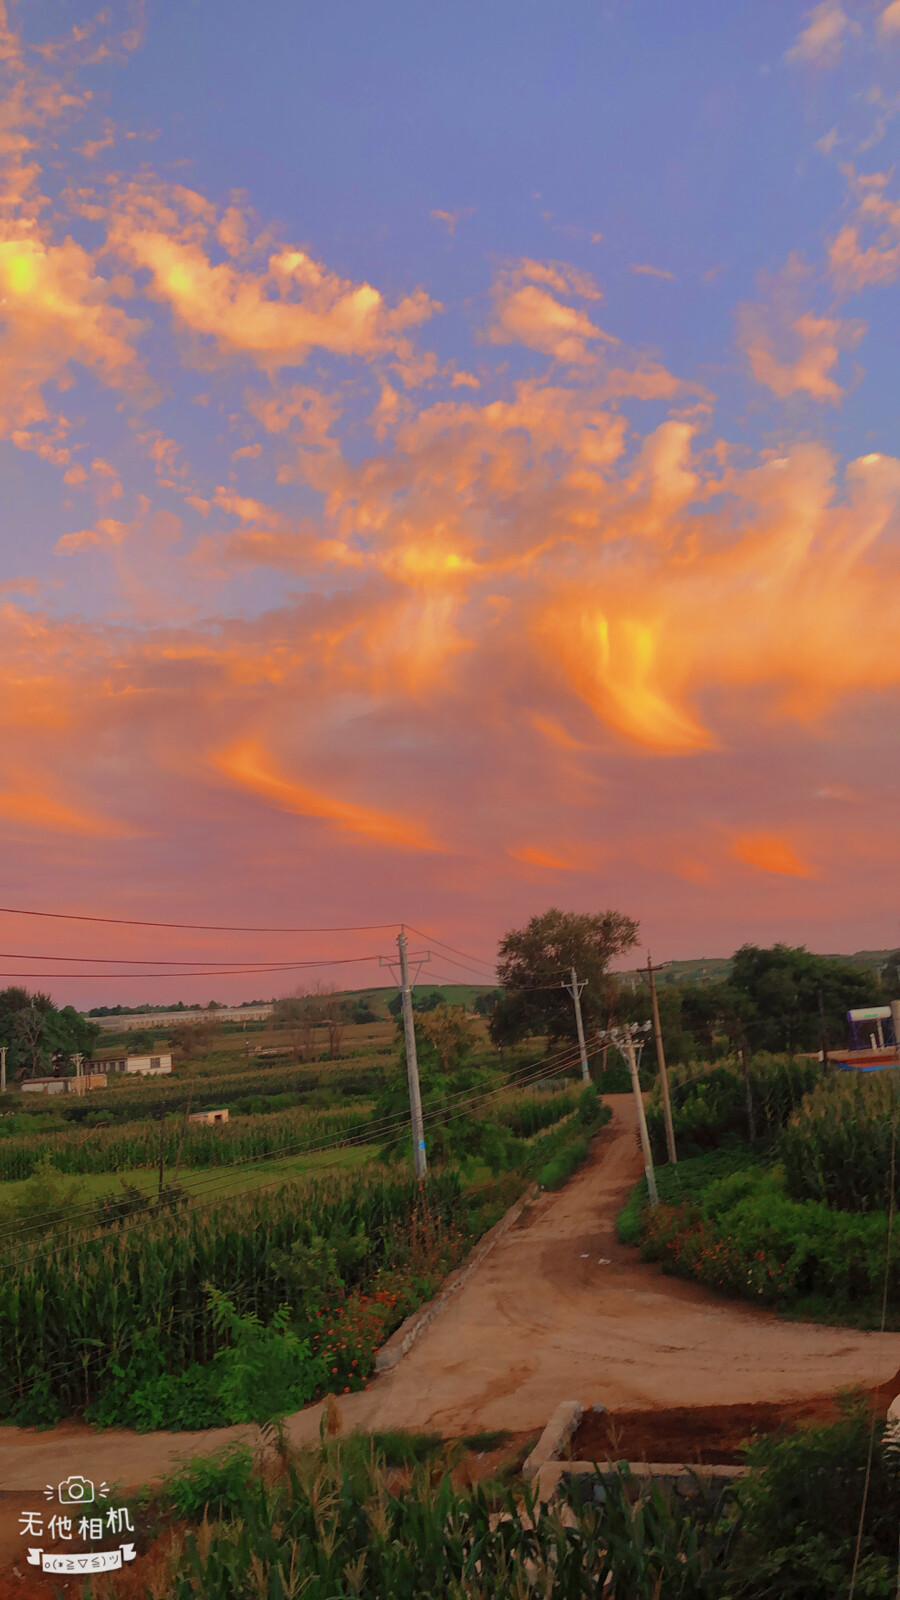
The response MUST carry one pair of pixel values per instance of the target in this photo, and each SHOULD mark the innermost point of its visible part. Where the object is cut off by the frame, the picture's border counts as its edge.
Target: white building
(144, 1066)
(81, 1084)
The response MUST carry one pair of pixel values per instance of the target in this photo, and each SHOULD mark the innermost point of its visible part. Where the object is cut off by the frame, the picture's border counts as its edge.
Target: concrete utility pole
(623, 1038)
(574, 988)
(412, 1063)
(661, 1063)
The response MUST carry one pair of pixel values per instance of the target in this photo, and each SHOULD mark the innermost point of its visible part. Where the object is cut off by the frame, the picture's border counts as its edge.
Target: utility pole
(162, 1149)
(623, 1038)
(3, 1049)
(661, 1064)
(412, 1063)
(574, 988)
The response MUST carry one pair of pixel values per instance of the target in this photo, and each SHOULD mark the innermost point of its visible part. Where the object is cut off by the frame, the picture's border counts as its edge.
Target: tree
(306, 1010)
(189, 1037)
(536, 960)
(449, 1030)
(39, 1037)
(789, 994)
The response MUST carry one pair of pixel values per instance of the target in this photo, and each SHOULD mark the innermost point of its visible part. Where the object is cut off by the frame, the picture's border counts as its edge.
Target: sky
(448, 468)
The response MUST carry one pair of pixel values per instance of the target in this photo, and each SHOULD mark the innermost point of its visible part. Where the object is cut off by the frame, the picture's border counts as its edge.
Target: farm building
(209, 1117)
(83, 1084)
(146, 1066)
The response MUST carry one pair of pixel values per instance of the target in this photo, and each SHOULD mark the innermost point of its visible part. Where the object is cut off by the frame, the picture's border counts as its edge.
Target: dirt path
(557, 1310)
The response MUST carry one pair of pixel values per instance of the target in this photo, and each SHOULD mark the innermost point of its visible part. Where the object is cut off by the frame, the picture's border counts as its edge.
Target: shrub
(743, 1234)
(798, 1512)
(212, 1485)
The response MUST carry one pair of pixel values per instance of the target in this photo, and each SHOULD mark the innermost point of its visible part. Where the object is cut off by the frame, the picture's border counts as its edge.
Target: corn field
(120, 1102)
(77, 1314)
(124, 1148)
(328, 1532)
(709, 1104)
(842, 1143)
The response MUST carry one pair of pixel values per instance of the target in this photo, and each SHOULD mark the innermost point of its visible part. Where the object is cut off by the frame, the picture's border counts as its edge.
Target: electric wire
(193, 927)
(217, 972)
(174, 961)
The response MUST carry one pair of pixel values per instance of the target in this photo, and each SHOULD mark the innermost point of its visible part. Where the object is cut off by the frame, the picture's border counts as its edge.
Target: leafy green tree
(535, 961)
(38, 1037)
(789, 994)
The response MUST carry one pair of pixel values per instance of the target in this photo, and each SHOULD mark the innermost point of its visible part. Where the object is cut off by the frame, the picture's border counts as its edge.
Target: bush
(209, 1485)
(798, 1513)
(741, 1233)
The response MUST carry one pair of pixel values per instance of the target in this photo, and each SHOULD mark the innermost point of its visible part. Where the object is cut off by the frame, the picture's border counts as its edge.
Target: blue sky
(455, 447)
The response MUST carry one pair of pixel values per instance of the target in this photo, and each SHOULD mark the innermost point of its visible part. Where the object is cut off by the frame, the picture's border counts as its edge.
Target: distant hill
(714, 969)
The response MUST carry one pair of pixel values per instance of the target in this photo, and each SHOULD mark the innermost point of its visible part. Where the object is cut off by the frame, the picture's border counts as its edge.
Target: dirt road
(556, 1311)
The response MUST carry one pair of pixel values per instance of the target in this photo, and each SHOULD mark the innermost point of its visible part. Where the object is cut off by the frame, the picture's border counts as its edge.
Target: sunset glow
(463, 503)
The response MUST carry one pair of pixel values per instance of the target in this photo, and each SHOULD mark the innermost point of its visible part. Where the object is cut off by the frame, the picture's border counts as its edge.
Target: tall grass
(709, 1104)
(842, 1143)
(138, 1144)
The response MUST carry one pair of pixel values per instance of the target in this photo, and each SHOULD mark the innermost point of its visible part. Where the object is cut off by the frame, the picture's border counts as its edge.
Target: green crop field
(227, 1245)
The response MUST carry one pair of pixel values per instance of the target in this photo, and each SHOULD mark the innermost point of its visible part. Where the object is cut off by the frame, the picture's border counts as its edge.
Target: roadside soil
(558, 1310)
(702, 1434)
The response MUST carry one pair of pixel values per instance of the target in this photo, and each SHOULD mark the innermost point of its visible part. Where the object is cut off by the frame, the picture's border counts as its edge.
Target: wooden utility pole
(748, 1086)
(631, 1057)
(162, 1149)
(3, 1049)
(574, 988)
(661, 1064)
(412, 1063)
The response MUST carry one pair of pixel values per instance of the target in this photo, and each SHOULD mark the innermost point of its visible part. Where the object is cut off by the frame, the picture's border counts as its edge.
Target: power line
(170, 961)
(214, 972)
(194, 927)
(466, 954)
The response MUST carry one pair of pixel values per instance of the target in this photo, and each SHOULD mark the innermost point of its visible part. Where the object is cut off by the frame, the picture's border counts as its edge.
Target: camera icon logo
(76, 1491)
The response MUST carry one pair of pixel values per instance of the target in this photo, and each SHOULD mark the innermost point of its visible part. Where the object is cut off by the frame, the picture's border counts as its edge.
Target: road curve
(557, 1310)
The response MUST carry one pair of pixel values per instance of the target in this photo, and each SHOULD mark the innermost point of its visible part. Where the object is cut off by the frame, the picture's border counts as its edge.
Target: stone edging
(408, 1332)
(554, 1438)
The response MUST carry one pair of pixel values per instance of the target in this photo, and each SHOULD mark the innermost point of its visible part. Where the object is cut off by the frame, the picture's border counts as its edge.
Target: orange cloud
(55, 310)
(533, 857)
(792, 351)
(854, 263)
(889, 20)
(275, 315)
(822, 40)
(247, 764)
(528, 312)
(771, 852)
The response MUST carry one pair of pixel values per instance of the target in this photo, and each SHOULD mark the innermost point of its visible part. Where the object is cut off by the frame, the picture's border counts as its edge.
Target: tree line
(783, 998)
